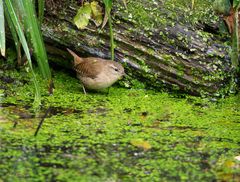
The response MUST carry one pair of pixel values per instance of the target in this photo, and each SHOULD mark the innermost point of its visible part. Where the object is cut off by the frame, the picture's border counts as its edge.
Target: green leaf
(236, 4)
(222, 7)
(96, 13)
(108, 4)
(41, 4)
(2, 31)
(14, 34)
(83, 16)
(35, 37)
(22, 38)
(18, 28)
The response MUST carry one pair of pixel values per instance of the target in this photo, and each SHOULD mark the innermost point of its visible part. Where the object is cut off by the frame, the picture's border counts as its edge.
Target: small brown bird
(96, 73)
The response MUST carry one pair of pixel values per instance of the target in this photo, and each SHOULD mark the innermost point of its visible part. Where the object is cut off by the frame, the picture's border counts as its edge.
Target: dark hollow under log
(163, 43)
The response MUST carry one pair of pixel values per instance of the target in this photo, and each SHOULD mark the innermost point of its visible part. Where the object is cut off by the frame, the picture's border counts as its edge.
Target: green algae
(141, 14)
(88, 137)
(158, 22)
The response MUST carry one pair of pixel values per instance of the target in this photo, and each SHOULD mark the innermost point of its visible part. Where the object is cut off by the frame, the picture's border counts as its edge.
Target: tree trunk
(164, 44)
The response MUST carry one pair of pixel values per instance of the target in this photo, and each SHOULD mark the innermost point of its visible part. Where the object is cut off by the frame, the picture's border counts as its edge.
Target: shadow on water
(25, 112)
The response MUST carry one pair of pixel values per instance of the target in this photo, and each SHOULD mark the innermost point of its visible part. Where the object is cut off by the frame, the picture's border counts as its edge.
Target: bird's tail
(77, 59)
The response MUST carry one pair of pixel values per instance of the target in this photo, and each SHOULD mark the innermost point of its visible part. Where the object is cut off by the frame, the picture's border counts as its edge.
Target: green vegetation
(41, 5)
(156, 21)
(125, 135)
(23, 24)
(235, 36)
(2, 30)
(108, 8)
(93, 11)
(129, 135)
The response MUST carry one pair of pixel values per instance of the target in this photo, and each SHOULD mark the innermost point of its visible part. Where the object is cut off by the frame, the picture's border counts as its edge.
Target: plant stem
(16, 22)
(235, 41)
(2, 31)
(111, 34)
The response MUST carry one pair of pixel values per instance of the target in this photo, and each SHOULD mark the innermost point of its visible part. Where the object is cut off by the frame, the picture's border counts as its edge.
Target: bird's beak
(124, 74)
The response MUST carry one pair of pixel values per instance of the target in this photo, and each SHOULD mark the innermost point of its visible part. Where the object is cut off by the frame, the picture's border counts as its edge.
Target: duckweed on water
(127, 135)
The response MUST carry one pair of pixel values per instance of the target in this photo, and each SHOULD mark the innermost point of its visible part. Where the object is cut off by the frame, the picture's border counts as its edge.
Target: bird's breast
(101, 81)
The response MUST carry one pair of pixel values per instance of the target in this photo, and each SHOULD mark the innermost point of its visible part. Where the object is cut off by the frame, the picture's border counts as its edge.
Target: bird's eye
(115, 69)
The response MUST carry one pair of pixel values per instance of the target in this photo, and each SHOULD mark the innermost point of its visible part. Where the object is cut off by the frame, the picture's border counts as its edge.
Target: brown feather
(90, 67)
(96, 73)
(77, 59)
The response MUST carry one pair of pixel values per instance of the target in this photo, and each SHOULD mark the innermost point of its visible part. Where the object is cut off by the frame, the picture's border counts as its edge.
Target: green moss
(88, 137)
(138, 12)
(156, 21)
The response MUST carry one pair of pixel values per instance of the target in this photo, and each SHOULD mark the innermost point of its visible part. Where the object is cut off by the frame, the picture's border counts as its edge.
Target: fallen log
(164, 44)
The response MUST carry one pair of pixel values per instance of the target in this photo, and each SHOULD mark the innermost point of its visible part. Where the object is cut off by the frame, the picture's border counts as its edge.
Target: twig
(41, 122)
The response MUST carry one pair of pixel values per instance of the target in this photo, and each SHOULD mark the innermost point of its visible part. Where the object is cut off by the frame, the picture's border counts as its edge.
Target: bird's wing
(90, 67)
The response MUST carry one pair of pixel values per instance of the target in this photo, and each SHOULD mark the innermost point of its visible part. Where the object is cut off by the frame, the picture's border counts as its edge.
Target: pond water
(125, 135)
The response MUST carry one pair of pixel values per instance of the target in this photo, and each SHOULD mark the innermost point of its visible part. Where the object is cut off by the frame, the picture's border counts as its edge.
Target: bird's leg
(84, 90)
(108, 91)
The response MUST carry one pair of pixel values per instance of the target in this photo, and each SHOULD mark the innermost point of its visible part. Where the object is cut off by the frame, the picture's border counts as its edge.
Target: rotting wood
(177, 56)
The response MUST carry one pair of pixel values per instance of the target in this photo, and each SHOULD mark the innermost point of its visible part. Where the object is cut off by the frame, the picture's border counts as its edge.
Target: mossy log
(165, 43)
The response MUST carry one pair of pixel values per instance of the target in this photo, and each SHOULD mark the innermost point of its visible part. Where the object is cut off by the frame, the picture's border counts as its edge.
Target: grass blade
(18, 28)
(193, 3)
(41, 4)
(14, 34)
(23, 41)
(2, 31)
(33, 30)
